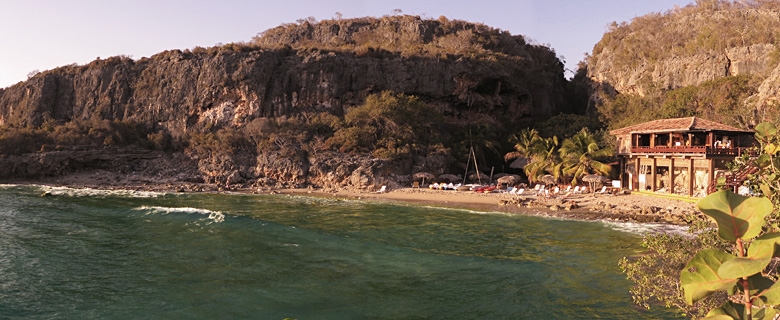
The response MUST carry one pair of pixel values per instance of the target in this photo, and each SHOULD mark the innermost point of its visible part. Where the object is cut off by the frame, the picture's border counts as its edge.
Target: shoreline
(632, 207)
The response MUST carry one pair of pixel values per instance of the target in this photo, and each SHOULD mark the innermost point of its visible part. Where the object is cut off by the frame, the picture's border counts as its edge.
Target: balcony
(698, 150)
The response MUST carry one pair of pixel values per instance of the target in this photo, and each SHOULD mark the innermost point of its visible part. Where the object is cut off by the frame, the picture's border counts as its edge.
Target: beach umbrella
(449, 177)
(509, 179)
(520, 163)
(423, 176)
(592, 180)
(547, 179)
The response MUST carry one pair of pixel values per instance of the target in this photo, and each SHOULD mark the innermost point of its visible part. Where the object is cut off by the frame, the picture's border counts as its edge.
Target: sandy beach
(632, 207)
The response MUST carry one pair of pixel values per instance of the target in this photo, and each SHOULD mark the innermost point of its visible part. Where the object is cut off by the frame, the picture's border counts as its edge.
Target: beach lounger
(576, 189)
(602, 191)
(520, 191)
(513, 191)
(383, 189)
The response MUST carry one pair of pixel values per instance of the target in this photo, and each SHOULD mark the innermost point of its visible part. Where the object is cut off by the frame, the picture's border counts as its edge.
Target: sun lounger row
(444, 186)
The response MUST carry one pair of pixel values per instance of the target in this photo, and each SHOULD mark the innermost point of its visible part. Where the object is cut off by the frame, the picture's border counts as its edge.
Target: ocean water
(89, 254)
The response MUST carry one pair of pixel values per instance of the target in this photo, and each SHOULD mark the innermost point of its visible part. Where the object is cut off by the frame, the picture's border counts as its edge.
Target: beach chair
(383, 189)
(584, 189)
(576, 190)
(540, 191)
(556, 190)
(537, 187)
(602, 191)
(520, 191)
(513, 191)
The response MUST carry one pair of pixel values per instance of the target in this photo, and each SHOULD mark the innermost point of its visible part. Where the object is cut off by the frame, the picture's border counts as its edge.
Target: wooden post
(711, 166)
(691, 172)
(671, 175)
(670, 143)
(652, 175)
(652, 140)
(635, 180)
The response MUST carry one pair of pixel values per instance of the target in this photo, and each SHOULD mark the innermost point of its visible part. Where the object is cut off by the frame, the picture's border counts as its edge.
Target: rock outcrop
(687, 47)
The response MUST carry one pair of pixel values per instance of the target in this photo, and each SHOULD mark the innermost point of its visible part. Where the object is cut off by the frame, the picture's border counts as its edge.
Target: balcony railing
(688, 149)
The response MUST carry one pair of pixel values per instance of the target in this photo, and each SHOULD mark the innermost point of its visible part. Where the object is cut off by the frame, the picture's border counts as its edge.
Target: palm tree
(581, 154)
(544, 159)
(524, 142)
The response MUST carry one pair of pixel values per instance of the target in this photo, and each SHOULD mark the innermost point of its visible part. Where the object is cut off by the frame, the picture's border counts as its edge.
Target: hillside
(277, 98)
(682, 56)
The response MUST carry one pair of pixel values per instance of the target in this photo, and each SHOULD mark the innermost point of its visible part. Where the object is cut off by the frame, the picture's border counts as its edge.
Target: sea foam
(89, 192)
(211, 216)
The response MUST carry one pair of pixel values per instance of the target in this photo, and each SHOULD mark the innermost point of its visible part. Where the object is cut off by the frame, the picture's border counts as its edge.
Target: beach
(629, 207)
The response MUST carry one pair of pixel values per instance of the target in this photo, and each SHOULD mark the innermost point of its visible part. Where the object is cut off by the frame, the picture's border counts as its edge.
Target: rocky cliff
(469, 72)
(687, 47)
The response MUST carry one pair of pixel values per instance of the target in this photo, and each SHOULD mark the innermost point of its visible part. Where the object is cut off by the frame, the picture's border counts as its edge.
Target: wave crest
(211, 216)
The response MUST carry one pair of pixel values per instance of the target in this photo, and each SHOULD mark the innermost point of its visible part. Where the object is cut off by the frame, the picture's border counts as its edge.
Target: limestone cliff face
(682, 71)
(180, 90)
(686, 47)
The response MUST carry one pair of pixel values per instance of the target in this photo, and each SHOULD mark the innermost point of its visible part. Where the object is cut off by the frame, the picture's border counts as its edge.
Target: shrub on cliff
(388, 126)
(721, 100)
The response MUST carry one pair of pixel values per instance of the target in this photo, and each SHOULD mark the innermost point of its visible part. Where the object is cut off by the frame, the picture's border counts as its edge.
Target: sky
(45, 34)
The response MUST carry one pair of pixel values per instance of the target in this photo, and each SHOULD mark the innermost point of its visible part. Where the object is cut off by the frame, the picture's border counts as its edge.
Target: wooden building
(678, 156)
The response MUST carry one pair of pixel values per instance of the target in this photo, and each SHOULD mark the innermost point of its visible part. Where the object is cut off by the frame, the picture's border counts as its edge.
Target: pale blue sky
(45, 34)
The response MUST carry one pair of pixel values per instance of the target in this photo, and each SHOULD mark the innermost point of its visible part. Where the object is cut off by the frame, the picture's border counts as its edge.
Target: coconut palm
(524, 142)
(581, 154)
(544, 159)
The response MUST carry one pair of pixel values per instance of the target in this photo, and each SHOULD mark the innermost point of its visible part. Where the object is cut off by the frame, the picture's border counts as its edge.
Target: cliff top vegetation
(699, 28)
(406, 35)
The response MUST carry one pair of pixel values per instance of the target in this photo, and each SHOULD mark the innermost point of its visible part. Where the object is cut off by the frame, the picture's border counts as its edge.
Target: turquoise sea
(89, 254)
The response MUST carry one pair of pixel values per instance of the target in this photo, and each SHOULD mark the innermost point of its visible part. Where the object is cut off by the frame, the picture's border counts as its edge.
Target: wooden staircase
(733, 181)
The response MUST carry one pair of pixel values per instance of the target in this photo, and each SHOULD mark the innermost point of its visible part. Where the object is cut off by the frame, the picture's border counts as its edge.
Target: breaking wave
(89, 192)
(211, 216)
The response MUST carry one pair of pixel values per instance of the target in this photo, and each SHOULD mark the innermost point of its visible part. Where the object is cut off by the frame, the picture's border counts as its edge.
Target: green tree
(523, 143)
(581, 154)
(545, 159)
(387, 125)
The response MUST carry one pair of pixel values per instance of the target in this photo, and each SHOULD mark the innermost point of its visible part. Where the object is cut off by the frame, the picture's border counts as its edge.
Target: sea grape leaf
(758, 256)
(764, 290)
(718, 317)
(737, 311)
(765, 130)
(700, 278)
(763, 161)
(766, 190)
(770, 148)
(737, 216)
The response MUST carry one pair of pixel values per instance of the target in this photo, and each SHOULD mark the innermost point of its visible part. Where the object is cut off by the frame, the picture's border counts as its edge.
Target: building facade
(678, 156)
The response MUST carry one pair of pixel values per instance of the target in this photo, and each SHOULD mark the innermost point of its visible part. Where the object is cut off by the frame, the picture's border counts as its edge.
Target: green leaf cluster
(740, 221)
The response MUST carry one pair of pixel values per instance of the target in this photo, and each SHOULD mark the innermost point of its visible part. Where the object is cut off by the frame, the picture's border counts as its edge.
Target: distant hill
(716, 59)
